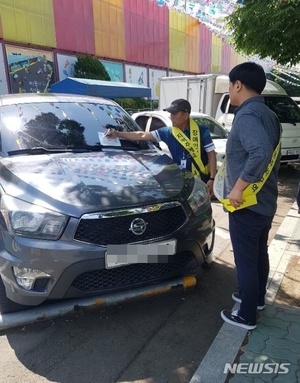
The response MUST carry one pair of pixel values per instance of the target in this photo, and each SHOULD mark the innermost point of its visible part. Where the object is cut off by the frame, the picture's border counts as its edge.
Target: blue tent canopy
(107, 89)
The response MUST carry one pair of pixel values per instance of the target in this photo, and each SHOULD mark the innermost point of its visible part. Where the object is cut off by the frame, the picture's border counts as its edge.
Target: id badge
(183, 164)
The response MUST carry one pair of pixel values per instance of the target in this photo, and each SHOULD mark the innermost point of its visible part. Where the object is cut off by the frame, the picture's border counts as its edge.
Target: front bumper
(78, 269)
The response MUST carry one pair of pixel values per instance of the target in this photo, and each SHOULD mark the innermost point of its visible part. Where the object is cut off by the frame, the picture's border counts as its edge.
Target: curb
(228, 341)
(41, 313)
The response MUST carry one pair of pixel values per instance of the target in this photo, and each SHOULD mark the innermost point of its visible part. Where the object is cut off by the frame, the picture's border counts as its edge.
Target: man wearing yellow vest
(252, 163)
(190, 145)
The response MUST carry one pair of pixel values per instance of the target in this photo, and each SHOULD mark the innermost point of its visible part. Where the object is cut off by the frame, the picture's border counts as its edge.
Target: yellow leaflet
(250, 200)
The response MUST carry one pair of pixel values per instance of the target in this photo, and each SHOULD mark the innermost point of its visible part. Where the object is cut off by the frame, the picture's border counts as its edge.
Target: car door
(154, 123)
(218, 135)
(215, 129)
(289, 117)
(142, 121)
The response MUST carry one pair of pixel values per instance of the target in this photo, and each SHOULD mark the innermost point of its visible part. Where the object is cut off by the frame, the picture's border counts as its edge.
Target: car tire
(6, 305)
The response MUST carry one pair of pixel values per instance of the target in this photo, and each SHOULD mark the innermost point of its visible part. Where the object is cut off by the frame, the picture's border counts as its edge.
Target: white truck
(204, 92)
(208, 93)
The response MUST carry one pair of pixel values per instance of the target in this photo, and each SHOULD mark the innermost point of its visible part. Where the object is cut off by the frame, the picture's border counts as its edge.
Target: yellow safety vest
(192, 146)
(249, 194)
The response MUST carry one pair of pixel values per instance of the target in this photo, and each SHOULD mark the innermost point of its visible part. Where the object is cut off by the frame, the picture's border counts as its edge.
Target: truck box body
(202, 91)
(208, 94)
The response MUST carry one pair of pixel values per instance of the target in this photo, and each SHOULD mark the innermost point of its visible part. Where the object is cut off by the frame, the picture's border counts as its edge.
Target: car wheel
(6, 305)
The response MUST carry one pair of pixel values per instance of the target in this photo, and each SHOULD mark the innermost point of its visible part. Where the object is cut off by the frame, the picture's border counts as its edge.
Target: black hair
(250, 74)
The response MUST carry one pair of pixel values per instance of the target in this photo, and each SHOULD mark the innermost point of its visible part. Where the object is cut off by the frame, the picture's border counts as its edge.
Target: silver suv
(82, 215)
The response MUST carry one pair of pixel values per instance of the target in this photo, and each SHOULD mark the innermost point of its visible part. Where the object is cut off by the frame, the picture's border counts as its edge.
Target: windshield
(215, 129)
(62, 125)
(284, 107)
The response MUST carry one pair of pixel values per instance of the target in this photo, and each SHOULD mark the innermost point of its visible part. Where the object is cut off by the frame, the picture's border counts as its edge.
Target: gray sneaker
(236, 297)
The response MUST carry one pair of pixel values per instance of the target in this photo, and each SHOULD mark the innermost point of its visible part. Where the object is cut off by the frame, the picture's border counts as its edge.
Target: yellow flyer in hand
(220, 192)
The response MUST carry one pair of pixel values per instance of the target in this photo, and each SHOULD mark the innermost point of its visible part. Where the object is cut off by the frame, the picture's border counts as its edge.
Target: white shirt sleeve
(156, 135)
(210, 147)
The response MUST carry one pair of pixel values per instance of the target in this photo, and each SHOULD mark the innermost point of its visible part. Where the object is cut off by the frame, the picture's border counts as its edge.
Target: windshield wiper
(42, 150)
(127, 145)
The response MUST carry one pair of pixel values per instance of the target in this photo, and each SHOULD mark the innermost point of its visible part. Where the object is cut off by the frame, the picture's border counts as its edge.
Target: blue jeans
(249, 236)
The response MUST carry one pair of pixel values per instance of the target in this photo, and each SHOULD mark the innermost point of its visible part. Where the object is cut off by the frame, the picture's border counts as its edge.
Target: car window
(156, 123)
(284, 107)
(142, 121)
(60, 124)
(231, 108)
(216, 131)
(224, 103)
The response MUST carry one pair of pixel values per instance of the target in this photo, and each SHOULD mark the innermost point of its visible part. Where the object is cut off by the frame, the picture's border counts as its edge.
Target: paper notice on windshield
(108, 141)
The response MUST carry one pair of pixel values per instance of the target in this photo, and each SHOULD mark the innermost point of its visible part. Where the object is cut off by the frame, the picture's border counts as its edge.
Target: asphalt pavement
(271, 352)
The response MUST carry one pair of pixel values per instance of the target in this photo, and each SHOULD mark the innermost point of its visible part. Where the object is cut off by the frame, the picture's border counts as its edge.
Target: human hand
(210, 185)
(111, 133)
(236, 198)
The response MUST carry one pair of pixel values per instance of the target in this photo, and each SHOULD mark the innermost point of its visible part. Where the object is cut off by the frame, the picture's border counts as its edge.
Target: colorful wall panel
(146, 32)
(154, 76)
(30, 70)
(115, 70)
(28, 21)
(160, 41)
(65, 65)
(177, 40)
(216, 53)
(136, 75)
(192, 55)
(132, 38)
(74, 25)
(234, 59)
(226, 58)
(205, 49)
(109, 29)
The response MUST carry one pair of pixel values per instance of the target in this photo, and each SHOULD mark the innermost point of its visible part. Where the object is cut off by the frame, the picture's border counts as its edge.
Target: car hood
(73, 182)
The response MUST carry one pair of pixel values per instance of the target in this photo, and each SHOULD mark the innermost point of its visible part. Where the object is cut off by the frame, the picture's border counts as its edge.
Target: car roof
(27, 98)
(167, 114)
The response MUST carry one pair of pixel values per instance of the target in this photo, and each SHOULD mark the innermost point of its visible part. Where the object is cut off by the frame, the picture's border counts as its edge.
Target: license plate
(121, 255)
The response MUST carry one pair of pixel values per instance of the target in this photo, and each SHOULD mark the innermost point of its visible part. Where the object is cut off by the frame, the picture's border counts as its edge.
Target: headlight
(199, 198)
(32, 221)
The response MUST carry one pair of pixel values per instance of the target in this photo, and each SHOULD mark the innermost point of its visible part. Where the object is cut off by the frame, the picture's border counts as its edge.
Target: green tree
(290, 83)
(91, 68)
(136, 104)
(267, 28)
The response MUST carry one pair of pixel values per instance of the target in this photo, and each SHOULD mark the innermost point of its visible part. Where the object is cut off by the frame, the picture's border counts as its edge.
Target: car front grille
(134, 274)
(116, 229)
